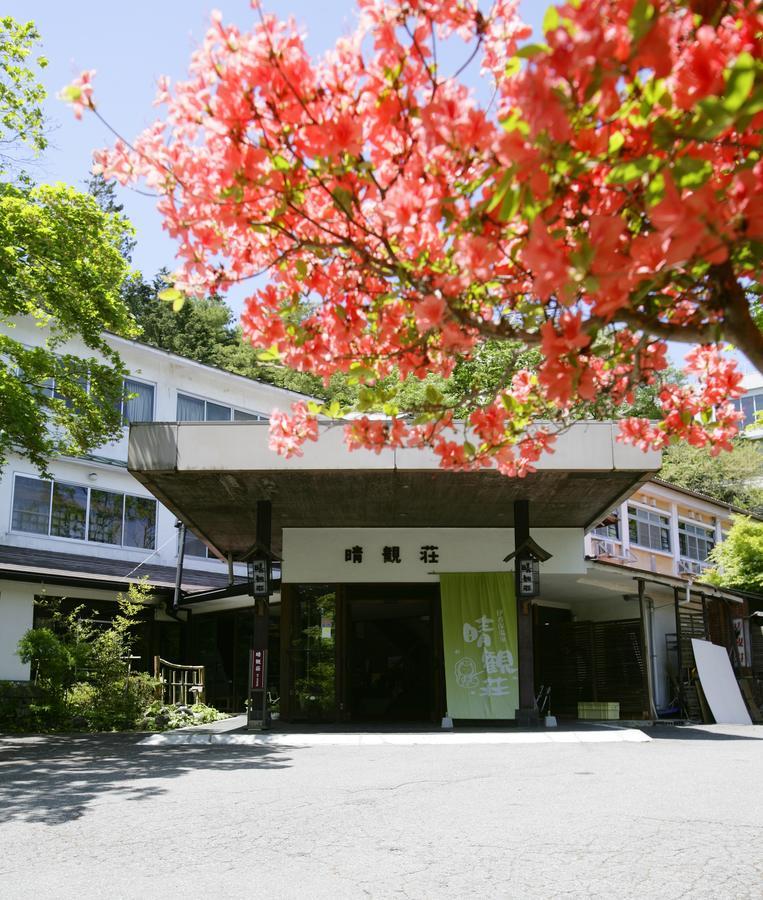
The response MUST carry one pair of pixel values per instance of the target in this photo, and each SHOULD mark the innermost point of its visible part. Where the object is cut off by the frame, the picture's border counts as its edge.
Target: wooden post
(527, 714)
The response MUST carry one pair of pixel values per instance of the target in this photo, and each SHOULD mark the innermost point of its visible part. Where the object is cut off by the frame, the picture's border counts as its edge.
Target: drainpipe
(645, 637)
(179, 569)
(653, 652)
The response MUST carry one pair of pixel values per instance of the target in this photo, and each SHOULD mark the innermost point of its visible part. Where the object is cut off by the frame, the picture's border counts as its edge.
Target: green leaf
(500, 191)
(71, 93)
(281, 163)
(550, 19)
(655, 189)
(510, 205)
(616, 141)
(170, 295)
(343, 198)
(301, 267)
(530, 50)
(690, 172)
(641, 19)
(631, 170)
(433, 395)
(739, 83)
(513, 66)
(270, 355)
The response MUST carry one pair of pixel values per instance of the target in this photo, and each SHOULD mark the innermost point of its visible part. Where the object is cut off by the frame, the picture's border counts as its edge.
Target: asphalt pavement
(678, 816)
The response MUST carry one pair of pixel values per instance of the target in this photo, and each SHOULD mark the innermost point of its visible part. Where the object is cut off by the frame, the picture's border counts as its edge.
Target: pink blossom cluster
(595, 209)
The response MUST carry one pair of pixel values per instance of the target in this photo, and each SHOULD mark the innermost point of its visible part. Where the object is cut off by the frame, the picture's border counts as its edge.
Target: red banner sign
(258, 670)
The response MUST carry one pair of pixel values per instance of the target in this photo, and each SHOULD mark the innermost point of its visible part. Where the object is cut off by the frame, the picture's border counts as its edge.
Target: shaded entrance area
(589, 661)
(361, 653)
(390, 651)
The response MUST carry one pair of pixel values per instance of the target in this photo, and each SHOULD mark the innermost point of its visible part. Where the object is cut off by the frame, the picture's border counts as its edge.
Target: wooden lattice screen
(179, 684)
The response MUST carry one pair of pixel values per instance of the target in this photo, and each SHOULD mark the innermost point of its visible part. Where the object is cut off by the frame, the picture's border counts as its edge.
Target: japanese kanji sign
(479, 624)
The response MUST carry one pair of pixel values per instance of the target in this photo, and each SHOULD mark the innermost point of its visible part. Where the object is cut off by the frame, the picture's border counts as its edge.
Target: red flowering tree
(605, 199)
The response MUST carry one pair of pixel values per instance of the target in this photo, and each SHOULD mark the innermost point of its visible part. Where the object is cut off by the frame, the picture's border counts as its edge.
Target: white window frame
(205, 400)
(699, 525)
(655, 511)
(86, 539)
(152, 384)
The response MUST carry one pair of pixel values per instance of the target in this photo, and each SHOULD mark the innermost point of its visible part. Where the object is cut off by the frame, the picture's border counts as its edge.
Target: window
(750, 405)
(82, 513)
(648, 529)
(138, 402)
(192, 409)
(609, 528)
(695, 541)
(196, 547)
(31, 505)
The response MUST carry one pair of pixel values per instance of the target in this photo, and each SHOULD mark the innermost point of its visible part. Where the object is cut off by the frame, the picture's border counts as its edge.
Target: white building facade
(93, 528)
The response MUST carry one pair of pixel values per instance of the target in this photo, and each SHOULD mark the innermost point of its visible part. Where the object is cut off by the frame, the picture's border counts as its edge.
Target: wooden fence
(179, 684)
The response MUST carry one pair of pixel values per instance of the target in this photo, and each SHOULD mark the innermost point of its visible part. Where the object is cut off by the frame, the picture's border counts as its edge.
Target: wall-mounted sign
(415, 555)
(258, 670)
(529, 577)
(258, 573)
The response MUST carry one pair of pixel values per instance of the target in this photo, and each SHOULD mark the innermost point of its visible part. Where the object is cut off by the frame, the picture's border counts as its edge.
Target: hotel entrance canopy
(211, 475)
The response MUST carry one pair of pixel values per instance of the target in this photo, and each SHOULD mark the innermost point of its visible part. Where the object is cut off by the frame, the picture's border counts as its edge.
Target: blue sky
(130, 45)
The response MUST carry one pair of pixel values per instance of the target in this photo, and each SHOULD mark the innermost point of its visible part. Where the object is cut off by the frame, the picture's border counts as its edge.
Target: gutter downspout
(647, 649)
(652, 649)
(179, 569)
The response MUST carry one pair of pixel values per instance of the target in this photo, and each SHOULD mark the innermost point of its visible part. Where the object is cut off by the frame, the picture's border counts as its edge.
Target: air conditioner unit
(602, 547)
(690, 567)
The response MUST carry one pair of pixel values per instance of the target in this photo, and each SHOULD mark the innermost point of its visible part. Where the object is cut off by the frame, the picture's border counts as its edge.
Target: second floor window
(695, 541)
(648, 529)
(57, 509)
(193, 409)
(609, 528)
(138, 402)
(750, 405)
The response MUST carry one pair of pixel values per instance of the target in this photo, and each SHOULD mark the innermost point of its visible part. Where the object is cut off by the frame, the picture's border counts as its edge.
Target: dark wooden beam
(527, 714)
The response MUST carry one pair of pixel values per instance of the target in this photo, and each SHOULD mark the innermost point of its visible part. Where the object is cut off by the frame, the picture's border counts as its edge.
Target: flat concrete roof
(211, 475)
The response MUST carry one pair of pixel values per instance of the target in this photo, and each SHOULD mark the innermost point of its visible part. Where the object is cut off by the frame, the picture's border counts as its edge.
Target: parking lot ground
(680, 815)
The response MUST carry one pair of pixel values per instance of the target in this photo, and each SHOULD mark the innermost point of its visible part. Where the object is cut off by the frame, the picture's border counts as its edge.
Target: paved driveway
(680, 816)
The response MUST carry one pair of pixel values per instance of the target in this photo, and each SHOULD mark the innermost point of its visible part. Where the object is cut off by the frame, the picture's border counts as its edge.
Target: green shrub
(161, 717)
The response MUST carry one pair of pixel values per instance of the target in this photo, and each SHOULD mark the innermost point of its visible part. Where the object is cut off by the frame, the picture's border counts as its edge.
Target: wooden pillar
(527, 714)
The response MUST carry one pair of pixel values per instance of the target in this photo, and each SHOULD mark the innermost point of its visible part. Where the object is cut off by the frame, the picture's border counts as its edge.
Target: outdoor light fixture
(93, 476)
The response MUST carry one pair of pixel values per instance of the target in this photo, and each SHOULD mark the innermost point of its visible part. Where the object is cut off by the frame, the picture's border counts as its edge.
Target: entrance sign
(479, 630)
(258, 670)
(416, 555)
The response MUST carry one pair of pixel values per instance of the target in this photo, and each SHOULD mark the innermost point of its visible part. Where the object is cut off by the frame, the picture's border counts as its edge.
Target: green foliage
(21, 93)
(81, 669)
(739, 558)
(61, 263)
(729, 477)
(160, 717)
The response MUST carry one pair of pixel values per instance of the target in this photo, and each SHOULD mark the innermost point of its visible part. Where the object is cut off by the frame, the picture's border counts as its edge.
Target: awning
(211, 475)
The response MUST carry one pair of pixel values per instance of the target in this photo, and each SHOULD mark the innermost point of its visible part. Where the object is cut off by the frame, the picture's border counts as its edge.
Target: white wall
(168, 374)
(16, 614)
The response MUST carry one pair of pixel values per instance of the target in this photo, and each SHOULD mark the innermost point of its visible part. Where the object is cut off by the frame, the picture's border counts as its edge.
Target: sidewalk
(232, 732)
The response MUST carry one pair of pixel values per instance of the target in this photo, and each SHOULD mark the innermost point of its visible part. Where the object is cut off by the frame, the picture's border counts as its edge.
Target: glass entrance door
(390, 658)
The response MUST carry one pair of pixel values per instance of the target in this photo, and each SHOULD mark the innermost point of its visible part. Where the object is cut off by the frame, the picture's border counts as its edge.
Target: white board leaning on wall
(719, 684)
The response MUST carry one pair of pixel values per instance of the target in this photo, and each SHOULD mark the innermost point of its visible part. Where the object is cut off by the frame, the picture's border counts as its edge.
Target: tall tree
(739, 558)
(608, 197)
(61, 265)
(734, 477)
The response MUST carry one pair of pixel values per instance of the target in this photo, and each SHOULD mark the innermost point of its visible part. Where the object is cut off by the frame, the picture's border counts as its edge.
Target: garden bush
(81, 679)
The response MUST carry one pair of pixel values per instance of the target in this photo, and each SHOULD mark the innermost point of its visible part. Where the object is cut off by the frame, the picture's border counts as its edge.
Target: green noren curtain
(479, 629)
